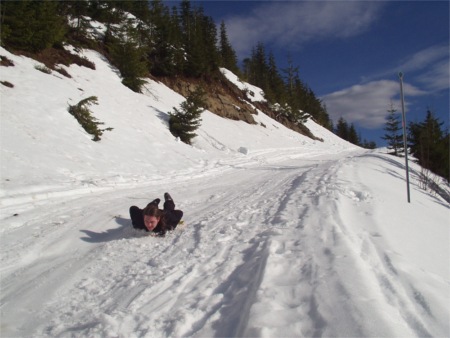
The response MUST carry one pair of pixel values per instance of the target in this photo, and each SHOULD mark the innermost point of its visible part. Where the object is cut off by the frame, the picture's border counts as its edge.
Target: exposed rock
(221, 98)
(228, 101)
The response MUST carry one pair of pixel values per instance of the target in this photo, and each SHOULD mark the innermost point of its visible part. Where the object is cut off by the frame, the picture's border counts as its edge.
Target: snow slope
(283, 235)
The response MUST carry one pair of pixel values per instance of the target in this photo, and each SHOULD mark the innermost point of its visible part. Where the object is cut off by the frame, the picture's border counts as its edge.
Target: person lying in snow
(152, 219)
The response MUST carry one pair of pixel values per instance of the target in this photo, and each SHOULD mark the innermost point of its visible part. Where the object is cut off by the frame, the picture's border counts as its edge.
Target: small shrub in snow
(43, 69)
(432, 183)
(84, 116)
(183, 122)
(63, 72)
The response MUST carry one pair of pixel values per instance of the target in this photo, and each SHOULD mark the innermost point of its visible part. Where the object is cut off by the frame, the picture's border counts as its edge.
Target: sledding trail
(83, 271)
(268, 249)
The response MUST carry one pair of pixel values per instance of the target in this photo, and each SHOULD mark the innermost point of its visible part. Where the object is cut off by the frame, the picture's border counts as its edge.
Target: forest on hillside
(157, 40)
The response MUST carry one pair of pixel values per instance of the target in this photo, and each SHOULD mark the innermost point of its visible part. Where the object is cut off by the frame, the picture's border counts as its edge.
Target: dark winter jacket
(168, 221)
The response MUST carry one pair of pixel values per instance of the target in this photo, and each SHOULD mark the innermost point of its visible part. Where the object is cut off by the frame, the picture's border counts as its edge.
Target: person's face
(151, 222)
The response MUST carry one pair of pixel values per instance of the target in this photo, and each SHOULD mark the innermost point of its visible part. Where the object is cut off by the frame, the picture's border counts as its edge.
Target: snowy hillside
(283, 235)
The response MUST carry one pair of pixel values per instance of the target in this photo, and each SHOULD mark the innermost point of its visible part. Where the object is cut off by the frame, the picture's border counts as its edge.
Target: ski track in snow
(265, 251)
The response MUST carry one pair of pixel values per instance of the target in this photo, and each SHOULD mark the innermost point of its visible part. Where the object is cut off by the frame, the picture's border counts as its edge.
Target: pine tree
(295, 99)
(353, 135)
(166, 53)
(368, 144)
(129, 57)
(291, 77)
(138, 8)
(393, 134)
(260, 67)
(184, 121)
(191, 40)
(228, 58)
(276, 92)
(430, 145)
(106, 11)
(32, 25)
(342, 129)
(199, 41)
(77, 11)
(209, 42)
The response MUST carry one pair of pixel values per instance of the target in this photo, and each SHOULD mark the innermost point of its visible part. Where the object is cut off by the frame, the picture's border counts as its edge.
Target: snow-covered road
(284, 235)
(279, 248)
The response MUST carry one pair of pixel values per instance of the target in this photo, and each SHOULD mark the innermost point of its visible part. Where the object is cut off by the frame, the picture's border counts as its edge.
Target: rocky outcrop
(222, 97)
(228, 101)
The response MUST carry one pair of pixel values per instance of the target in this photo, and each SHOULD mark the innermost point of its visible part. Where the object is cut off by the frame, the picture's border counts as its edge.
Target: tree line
(427, 141)
(163, 41)
(160, 41)
(294, 98)
(348, 132)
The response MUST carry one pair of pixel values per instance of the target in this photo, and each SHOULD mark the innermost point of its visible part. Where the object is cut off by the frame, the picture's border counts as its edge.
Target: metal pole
(405, 144)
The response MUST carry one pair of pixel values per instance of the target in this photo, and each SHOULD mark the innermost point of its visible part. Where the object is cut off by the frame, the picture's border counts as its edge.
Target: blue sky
(350, 52)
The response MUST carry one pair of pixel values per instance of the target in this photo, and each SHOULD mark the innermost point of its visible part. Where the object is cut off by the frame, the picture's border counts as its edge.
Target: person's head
(152, 216)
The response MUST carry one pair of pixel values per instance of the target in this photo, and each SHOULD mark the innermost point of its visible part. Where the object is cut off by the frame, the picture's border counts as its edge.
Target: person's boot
(167, 197)
(155, 201)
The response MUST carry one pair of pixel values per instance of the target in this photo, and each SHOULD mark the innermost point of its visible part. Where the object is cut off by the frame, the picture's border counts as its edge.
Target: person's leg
(169, 205)
(178, 214)
(172, 217)
(155, 202)
(137, 218)
(168, 202)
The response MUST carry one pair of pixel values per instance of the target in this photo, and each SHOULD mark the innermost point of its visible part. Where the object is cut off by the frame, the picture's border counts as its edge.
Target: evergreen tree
(393, 129)
(32, 25)
(105, 11)
(292, 79)
(184, 121)
(199, 41)
(430, 145)
(256, 68)
(129, 57)
(228, 58)
(368, 144)
(177, 51)
(140, 9)
(294, 97)
(77, 10)
(342, 129)
(353, 135)
(276, 92)
(166, 54)
(191, 40)
(247, 71)
(209, 42)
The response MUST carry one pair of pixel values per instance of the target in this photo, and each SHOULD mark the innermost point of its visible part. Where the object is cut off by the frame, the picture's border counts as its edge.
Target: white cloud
(428, 67)
(367, 104)
(290, 24)
(425, 58)
(436, 78)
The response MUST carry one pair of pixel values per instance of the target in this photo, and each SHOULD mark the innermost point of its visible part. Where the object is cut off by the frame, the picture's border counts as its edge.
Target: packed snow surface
(283, 235)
